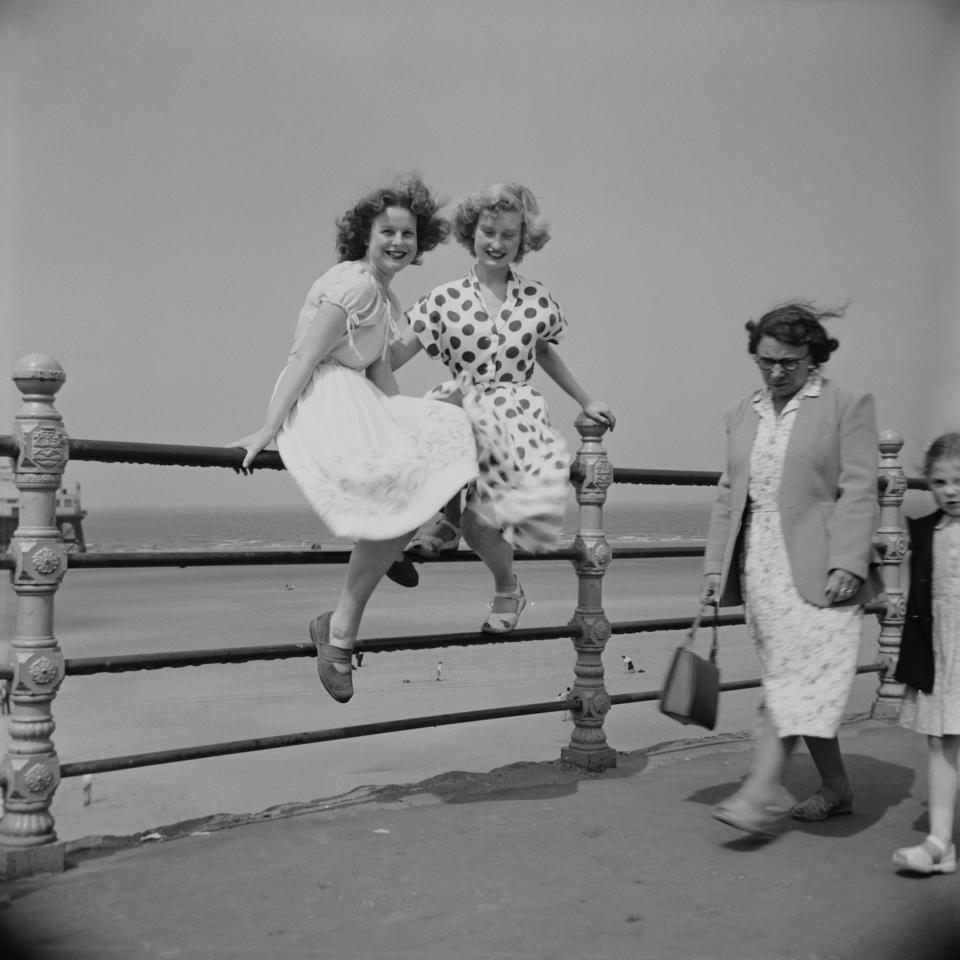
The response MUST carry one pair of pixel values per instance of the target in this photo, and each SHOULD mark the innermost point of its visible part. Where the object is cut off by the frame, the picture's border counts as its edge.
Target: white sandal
(931, 856)
(435, 538)
(505, 621)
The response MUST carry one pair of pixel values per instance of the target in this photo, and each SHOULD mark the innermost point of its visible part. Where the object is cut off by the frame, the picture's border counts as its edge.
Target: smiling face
(496, 242)
(944, 483)
(393, 242)
(783, 366)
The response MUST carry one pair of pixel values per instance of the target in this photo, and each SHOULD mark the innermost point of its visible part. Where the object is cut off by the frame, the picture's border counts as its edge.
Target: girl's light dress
(808, 654)
(938, 713)
(373, 467)
(524, 464)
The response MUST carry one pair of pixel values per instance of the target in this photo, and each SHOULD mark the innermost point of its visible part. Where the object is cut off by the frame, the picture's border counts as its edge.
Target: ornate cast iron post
(30, 769)
(892, 537)
(590, 701)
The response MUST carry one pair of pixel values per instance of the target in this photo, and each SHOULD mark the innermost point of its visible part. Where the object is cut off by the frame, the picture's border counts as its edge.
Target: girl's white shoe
(931, 856)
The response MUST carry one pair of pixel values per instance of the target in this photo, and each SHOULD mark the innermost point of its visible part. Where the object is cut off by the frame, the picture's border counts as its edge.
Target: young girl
(929, 661)
(491, 328)
(373, 465)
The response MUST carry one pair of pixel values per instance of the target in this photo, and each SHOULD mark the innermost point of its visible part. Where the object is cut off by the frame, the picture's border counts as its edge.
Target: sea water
(297, 528)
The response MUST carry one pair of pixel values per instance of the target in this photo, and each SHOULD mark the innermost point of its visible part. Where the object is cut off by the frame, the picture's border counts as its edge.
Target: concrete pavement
(529, 862)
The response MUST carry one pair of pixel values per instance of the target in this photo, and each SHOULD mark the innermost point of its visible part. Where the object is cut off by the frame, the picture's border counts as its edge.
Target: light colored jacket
(827, 497)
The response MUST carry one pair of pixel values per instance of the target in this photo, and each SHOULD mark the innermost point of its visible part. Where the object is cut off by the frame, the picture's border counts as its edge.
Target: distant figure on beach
(491, 328)
(358, 659)
(791, 537)
(4, 697)
(628, 664)
(565, 714)
(86, 786)
(929, 661)
(374, 465)
(439, 668)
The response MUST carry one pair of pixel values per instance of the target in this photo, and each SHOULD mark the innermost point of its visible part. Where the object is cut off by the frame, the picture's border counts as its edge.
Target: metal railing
(30, 770)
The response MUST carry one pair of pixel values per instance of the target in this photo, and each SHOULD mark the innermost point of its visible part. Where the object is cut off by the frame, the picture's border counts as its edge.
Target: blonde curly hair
(502, 196)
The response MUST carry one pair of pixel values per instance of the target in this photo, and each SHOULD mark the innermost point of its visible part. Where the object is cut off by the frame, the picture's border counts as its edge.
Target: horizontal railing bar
(686, 478)
(187, 455)
(297, 739)
(98, 560)
(169, 454)
(231, 747)
(123, 663)
(645, 696)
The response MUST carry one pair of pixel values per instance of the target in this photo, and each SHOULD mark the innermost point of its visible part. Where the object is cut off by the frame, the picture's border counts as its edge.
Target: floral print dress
(938, 713)
(524, 465)
(373, 467)
(808, 654)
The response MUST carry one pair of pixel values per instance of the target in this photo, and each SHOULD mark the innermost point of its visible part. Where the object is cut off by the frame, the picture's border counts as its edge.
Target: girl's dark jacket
(915, 666)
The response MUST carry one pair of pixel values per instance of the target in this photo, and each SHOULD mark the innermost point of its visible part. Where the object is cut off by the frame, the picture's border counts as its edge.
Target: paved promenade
(528, 862)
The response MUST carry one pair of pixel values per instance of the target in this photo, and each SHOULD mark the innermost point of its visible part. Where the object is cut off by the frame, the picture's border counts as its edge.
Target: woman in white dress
(374, 465)
(791, 537)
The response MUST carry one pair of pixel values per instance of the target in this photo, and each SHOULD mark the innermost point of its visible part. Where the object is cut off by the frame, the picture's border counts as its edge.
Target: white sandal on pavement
(434, 538)
(504, 621)
(931, 856)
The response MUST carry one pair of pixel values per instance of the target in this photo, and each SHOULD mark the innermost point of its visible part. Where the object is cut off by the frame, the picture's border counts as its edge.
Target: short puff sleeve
(554, 322)
(426, 324)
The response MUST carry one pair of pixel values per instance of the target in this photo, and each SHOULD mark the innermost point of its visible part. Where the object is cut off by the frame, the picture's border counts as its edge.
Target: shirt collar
(946, 521)
(811, 388)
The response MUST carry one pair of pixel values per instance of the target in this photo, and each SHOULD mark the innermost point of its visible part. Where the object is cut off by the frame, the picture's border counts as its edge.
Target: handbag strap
(695, 626)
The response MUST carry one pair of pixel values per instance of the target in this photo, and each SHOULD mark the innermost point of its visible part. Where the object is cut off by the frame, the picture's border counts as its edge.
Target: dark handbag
(692, 687)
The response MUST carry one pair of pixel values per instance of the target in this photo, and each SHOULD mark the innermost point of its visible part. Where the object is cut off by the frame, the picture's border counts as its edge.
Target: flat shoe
(759, 819)
(505, 621)
(926, 858)
(817, 807)
(403, 572)
(338, 685)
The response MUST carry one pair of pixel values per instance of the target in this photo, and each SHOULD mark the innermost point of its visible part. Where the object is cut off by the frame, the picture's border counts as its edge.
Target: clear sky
(172, 170)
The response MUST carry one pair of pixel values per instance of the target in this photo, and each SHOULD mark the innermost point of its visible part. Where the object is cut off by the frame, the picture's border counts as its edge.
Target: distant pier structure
(70, 513)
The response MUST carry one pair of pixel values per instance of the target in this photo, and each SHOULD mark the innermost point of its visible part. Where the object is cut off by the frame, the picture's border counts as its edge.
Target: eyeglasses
(786, 364)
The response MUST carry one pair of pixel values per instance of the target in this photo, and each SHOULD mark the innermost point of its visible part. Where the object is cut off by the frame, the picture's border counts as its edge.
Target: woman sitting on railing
(373, 465)
(491, 328)
(791, 535)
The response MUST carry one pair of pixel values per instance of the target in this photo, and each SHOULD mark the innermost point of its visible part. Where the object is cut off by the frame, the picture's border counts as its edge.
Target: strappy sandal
(433, 539)
(931, 856)
(505, 621)
(338, 685)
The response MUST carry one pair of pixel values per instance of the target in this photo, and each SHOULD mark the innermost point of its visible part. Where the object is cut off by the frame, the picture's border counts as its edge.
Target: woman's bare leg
(368, 563)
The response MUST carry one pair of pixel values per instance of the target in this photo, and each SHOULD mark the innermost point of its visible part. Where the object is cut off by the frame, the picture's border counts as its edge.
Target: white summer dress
(808, 654)
(524, 464)
(938, 713)
(373, 467)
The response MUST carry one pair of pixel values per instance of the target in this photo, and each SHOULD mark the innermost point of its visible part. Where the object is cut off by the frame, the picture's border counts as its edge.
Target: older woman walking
(791, 537)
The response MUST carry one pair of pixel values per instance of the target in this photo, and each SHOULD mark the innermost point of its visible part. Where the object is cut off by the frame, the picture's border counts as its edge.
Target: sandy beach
(101, 612)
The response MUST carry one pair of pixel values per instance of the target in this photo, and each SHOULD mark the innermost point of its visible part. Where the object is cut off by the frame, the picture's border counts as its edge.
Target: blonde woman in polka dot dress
(491, 328)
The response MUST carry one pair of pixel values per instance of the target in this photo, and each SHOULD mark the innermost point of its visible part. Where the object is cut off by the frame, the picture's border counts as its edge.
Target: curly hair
(534, 232)
(945, 447)
(798, 323)
(353, 228)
